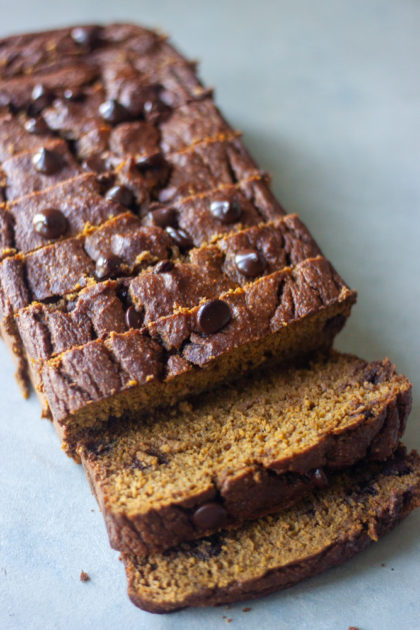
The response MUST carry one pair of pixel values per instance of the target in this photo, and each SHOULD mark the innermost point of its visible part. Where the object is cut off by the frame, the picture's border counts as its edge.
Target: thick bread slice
(242, 451)
(286, 314)
(278, 551)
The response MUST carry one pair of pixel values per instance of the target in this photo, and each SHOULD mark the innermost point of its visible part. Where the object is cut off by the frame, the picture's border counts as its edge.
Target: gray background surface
(327, 94)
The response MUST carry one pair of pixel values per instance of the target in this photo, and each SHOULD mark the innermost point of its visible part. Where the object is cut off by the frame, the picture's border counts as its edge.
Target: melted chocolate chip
(107, 266)
(203, 549)
(164, 217)
(121, 194)
(209, 516)
(113, 112)
(226, 211)
(50, 223)
(249, 263)
(133, 319)
(213, 316)
(164, 266)
(87, 36)
(37, 126)
(47, 162)
(94, 163)
(41, 97)
(180, 238)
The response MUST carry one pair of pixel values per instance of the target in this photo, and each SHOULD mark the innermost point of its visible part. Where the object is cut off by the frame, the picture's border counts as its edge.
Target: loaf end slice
(276, 552)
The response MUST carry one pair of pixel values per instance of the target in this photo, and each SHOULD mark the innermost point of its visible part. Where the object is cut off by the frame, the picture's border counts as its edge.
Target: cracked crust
(278, 316)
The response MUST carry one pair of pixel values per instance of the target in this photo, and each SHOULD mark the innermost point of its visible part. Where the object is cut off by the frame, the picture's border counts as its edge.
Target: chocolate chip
(226, 211)
(87, 36)
(121, 194)
(249, 263)
(155, 110)
(209, 516)
(133, 319)
(107, 266)
(164, 217)
(213, 316)
(37, 126)
(156, 161)
(113, 112)
(73, 94)
(94, 163)
(47, 162)
(41, 97)
(319, 478)
(164, 266)
(180, 238)
(50, 223)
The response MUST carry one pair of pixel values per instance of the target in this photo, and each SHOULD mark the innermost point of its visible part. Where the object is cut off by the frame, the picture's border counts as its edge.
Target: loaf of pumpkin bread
(143, 256)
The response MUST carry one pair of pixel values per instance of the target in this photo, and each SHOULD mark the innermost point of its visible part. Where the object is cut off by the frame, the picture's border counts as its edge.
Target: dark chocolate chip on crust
(95, 163)
(209, 516)
(213, 316)
(41, 97)
(50, 223)
(107, 266)
(226, 211)
(133, 318)
(87, 36)
(164, 266)
(249, 263)
(37, 126)
(113, 112)
(164, 217)
(121, 194)
(47, 162)
(180, 238)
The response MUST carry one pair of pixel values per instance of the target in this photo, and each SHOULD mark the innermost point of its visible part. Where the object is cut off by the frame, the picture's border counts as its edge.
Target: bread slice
(278, 317)
(276, 552)
(243, 451)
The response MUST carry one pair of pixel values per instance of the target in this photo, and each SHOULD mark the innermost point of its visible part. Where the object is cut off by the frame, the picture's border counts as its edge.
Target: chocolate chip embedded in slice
(87, 36)
(210, 516)
(180, 238)
(133, 319)
(319, 478)
(164, 217)
(213, 316)
(47, 162)
(50, 223)
(37, 126)
(107, 266)
(249, 263)
(226, 211)
(113, 112)
(121, 194)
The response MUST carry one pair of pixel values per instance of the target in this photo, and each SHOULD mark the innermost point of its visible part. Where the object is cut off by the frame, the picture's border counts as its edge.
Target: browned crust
(351, 542)
(259, 490)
